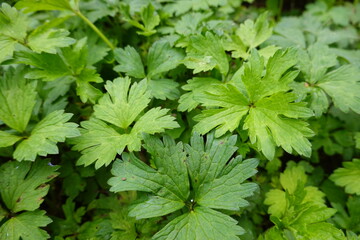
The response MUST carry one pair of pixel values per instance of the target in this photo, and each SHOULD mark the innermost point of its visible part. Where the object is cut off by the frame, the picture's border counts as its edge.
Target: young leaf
(298, 211)
(121, 107)
(272, 117)
(348, 176)
(23, 184)
(253, 34)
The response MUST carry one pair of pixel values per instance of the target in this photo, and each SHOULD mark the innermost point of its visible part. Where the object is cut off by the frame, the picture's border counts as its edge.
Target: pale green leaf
(205, 53)
(39, 5)
(348, 176)
(98, 143)
(153, 121)
(8, 139)
(150, 19)
(26, 226)
(13, 23)
(45, 135)
(23, 184)
(45, 39)
(276, 199)
(223, 120)
(272, 117)
(122, 104)
(292, 178)
(196, 86)
(7, 46)
(253, 34)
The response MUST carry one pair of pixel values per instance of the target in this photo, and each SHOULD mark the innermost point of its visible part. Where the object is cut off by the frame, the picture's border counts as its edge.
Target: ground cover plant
(184, 120)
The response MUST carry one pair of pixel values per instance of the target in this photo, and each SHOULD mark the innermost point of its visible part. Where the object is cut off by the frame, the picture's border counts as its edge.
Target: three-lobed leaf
(119, 121)
(271, 114)
(216, 184)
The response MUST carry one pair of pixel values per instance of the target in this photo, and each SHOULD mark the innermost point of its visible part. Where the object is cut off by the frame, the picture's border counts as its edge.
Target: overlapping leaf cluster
(112, 101)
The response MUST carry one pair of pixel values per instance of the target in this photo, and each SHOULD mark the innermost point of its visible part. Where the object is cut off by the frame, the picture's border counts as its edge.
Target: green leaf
(13, 23)
(272, 117)
(153, 121)
(46, 39)
(8, 139)
(162, 58)
(205, 53)
(97, 9)
(121, 106)
(299, 212)
(48, 67)
(46, 134)
(253, 34)
(215, 183)
(72, 62)
(148, 16)
(164, 89)
(7, 46)
(315, 64)
(23, 184)
(292, 178)
(170, 183)
(129, 62)
(197, 87)
(39, 5)
(150, 20)
(343, 86)
(348, 176)
(26, 226)
(201, 223)
(18, 99)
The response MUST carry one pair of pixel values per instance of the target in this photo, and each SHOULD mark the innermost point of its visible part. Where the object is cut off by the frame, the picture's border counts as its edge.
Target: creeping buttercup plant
(186, 120)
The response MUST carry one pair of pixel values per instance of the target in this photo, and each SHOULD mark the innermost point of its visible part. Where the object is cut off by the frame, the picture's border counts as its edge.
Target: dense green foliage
(183, 120)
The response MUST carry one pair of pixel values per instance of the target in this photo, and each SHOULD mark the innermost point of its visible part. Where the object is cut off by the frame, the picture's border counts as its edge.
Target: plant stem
(93, 27)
